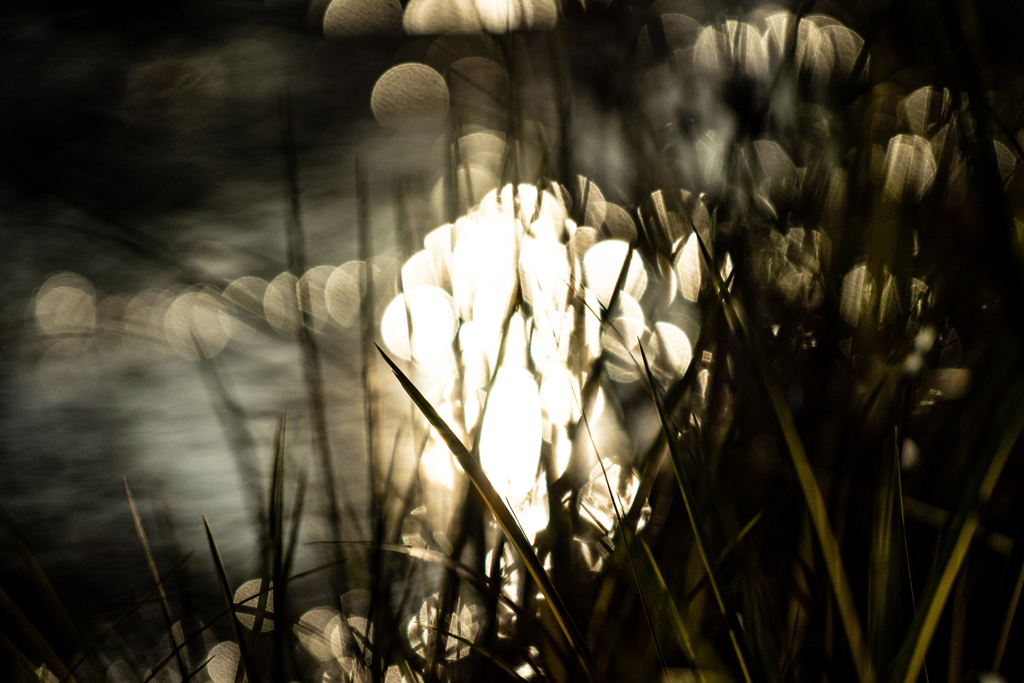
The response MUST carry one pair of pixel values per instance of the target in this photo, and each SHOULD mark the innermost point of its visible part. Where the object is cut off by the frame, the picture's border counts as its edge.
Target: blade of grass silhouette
(743, 655)
(682, 634)
(901, 524)
(703, 583)
(296, 522)
(370, 409)
(747, 528)
(449, 589)
(276, 528)
(492, 657)
(627, 534)
(198, 669)
(883, 570)
(312, 366)
(232, 419)
(226, 612)
(659, 449)
(1011, 612)
(226, 592)
(505, 520)
(961, 529)
(589, 390)
(165, 606)
(737, 320)
(177, 650)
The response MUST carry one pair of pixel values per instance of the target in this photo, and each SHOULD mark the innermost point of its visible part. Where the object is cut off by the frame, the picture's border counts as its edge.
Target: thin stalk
(743, 655)
(769, 385)
(165, 606)
(506, 520)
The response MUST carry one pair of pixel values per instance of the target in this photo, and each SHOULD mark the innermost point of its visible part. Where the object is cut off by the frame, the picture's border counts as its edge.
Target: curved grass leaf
(664, 597)
(743, 656)
(165, 606)
(504, 518)
(227, 593)
(769, 385)
(961, 530)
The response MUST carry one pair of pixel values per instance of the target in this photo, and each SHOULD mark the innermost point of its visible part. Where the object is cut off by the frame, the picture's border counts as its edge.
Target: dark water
(141, 149)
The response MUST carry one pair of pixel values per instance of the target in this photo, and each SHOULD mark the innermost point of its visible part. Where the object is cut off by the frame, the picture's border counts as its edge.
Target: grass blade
(504, 518)
(664, 597)
(227, 594)
(1011, 612)
(277, 551)
(494, 659)
(165, 606)
(739, 644)
(769, 385)
(961, 530)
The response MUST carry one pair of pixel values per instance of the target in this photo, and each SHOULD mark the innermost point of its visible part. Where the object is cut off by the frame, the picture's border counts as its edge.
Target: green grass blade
(664, 598)
(165, 606)
(960, 531)
(884, 564)
(747, 528)
(504, 518)
(1011, 611)
(228, 595)
(743, 656)
(769, 385)
(901, 523)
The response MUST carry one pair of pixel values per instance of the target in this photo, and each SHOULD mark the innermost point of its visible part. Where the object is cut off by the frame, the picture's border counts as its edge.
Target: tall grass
(825, 489)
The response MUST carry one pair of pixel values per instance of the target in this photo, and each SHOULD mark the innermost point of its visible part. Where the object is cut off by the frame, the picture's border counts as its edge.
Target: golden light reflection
(315, 631)
(281, 304)
(66, 304)
(690, 269)
(362, 17)
(465, 622)
(909, 168)
(510, 437)
(344, 292)
(245, 295)
(195, 324)
(246, 597)
(409, 94)
(434, 323)
(596, 499)
(223, 666)
(494, 16)
(485, 255)
(621, 338)
(602, 264)
(672, 351)
(313, 296)
(857, 295)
